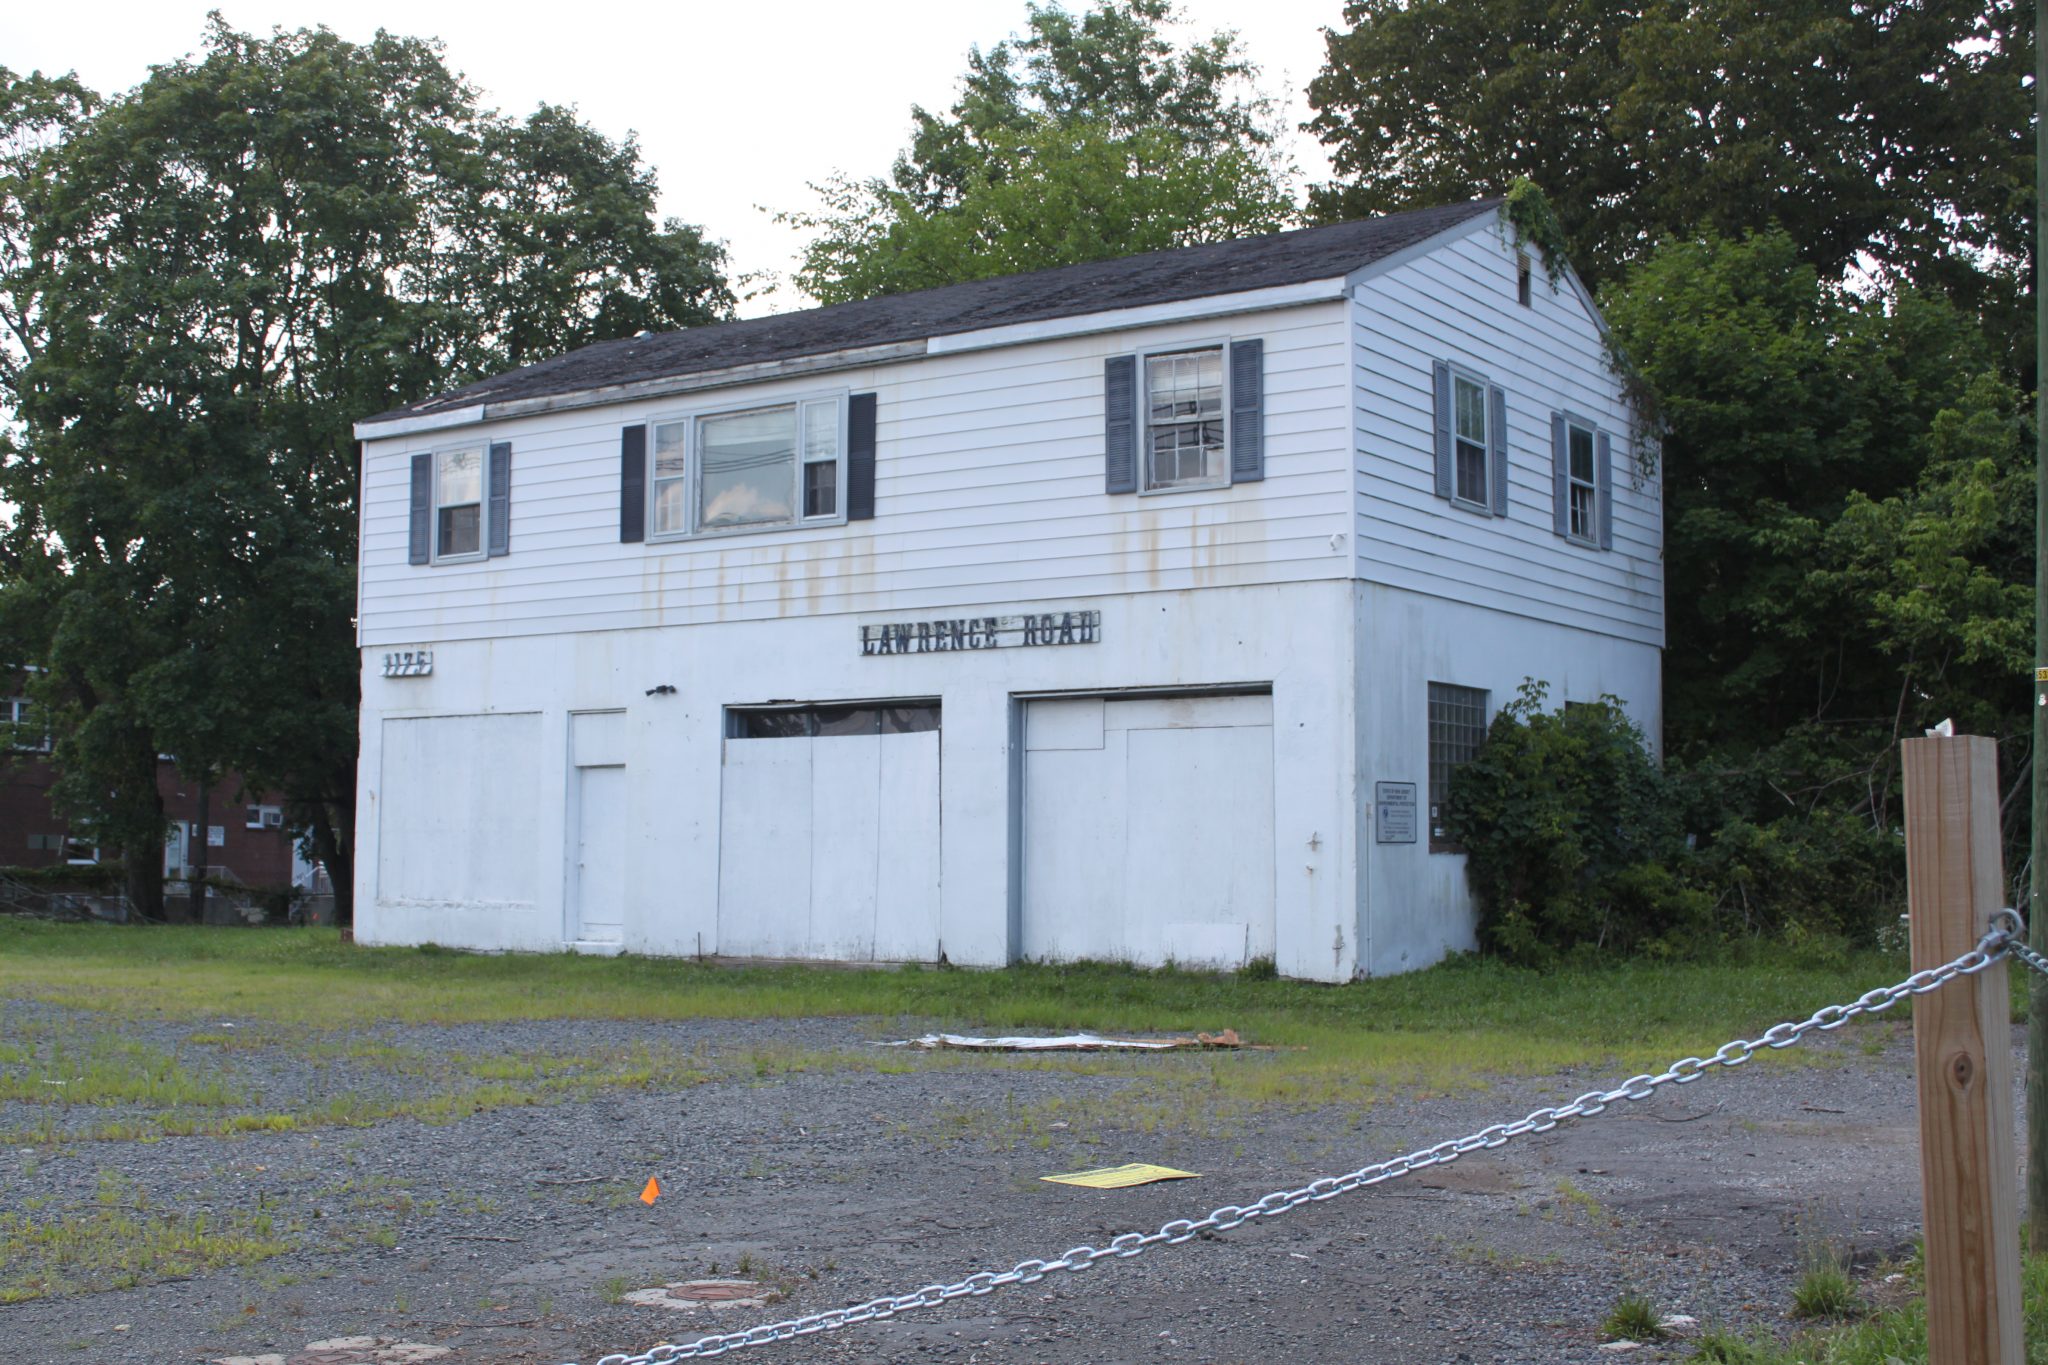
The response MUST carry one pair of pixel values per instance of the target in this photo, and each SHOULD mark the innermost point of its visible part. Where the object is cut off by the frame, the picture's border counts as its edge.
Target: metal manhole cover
(714, 1294)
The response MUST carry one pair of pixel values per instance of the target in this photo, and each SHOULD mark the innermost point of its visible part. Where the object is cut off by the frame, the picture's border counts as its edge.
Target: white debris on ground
(1068, 1042)
(347, 1351)
(716, 1295)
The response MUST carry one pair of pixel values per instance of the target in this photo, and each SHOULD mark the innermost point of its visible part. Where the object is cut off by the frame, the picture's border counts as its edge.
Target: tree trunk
(195, 886)
(145, 865)
(334, 840)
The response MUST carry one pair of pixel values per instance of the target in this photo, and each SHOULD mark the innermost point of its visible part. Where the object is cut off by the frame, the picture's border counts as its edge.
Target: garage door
(1148, 830)
(829, 833)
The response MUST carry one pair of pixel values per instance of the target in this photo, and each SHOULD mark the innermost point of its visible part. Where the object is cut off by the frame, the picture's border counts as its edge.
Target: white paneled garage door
(1148, 830)
(829, 833)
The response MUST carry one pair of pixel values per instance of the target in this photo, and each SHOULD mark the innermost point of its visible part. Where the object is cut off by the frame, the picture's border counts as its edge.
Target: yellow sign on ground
(1120, 1177)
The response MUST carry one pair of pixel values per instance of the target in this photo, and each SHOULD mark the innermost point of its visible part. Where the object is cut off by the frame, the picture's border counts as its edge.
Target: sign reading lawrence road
(982, 632)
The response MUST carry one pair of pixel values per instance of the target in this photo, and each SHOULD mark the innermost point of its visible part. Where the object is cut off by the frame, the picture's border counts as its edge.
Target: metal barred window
(1457, 727)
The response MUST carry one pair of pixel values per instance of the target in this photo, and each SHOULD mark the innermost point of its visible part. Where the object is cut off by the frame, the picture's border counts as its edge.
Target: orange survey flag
(652, 1192)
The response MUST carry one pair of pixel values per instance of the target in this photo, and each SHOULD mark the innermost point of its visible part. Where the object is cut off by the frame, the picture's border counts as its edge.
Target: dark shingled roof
(1067, 291)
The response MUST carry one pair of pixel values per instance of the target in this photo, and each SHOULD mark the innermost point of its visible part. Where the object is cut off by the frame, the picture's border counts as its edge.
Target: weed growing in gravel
(109, 1069)
(123, 1240)
(1633, 1318)
(613, 1290)
(1824, 1290)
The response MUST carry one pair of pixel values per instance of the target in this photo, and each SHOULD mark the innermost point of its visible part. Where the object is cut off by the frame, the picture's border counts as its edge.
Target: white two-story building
(1136, 610)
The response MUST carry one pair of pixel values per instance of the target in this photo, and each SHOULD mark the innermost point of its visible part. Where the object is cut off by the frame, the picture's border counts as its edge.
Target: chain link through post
(1993, 947)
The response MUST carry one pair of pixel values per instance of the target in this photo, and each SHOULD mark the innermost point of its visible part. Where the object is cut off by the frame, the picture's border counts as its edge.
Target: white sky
(738, 106)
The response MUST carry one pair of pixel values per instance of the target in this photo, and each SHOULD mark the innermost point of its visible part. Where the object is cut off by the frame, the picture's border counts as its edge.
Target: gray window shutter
(1247, 411)
(1497, 443)
(420, 528)
(1443, 429)
(501, 498)
(1560, 474)
(1603, 460)
(1119, 424)
(633, 484)
(860, 457)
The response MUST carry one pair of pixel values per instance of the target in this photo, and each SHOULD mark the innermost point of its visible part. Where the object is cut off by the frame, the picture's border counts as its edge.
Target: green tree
(1898, 134)
(1847, 531)
(230, 265)
(1086, 138)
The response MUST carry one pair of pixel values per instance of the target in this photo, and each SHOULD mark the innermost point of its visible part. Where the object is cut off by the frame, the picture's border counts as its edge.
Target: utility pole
(2037, 901)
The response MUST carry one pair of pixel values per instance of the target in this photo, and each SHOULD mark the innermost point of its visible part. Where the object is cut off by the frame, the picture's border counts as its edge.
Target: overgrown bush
(1816, 875)
(1571, 834)
(1575, 839)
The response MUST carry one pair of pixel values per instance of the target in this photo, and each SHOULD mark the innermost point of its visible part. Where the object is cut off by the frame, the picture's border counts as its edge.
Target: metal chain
(2016, 940)
(2005, 937)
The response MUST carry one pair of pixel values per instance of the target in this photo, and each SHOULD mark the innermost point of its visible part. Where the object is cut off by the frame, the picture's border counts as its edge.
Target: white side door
(597, 879)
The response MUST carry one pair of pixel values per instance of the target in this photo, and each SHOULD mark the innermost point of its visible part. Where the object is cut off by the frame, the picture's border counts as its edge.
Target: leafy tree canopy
(206, 281)
(1848, 529)
(1897, 134)
(1088, 137)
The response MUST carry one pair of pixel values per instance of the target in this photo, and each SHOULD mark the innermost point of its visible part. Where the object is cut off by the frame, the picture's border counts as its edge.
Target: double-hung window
(459, 503)
(748, 469)
(1469, 439)
(1582, 490)
(1184, 438)
(1582, 478)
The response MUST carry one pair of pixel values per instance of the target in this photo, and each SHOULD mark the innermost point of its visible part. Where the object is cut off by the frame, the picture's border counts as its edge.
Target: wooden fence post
(1962, 1049)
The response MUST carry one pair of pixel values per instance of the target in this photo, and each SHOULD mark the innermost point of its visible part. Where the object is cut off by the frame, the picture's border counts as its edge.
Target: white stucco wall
(1293, 638)
(1417, 907)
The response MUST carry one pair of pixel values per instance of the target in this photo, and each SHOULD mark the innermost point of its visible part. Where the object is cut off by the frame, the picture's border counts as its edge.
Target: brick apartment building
(245, 836)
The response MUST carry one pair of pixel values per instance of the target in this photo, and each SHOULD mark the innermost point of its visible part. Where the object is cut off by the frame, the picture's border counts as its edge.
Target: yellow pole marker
(652, 1192)
(1120, 1177)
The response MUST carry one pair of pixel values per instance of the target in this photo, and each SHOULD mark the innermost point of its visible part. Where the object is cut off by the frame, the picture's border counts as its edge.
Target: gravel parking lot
(787, 1159)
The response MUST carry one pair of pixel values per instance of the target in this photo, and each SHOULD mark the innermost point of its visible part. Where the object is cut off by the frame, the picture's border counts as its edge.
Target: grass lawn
(1468, 1014)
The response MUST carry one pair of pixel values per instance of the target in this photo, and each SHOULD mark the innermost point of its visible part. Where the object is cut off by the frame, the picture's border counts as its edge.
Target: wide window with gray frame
(1457, 727)
(751, 469)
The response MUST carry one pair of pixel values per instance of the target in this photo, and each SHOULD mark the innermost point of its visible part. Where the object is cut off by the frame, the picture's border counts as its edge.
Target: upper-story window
(1582, 481)
(1471, 441)
(459, 503)
(1470, 438)
(1581, 488)
(750, 469)
(1184, 419)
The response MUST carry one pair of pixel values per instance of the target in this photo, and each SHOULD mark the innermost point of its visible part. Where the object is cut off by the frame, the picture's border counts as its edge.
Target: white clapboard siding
(1458, 303)
(988, 488)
